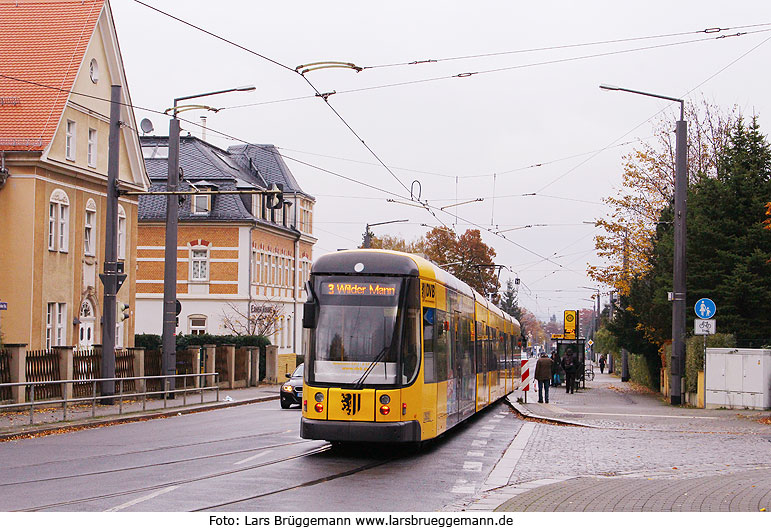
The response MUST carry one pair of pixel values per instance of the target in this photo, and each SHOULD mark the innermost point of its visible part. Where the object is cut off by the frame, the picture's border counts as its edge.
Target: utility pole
(111, 278)
(169, 355)
(678, 304)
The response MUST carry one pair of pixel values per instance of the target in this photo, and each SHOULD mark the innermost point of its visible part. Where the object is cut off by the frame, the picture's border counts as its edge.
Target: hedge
(154, 341)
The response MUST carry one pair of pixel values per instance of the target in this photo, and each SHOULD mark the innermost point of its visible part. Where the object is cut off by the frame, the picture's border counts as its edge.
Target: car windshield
(356, 327)
(298, 371)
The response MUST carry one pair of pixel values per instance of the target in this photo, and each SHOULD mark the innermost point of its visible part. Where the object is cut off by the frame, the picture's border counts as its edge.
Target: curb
(76, 425)
(529, 415)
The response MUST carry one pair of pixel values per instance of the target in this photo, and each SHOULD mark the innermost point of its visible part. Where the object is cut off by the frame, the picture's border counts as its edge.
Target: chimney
(203, 128)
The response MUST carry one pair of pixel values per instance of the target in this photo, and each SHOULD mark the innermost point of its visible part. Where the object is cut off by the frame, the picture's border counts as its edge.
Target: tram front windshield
(359, 331)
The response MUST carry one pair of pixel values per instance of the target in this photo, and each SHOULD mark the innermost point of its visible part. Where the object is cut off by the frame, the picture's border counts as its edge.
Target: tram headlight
(319, 397)
(385, 399)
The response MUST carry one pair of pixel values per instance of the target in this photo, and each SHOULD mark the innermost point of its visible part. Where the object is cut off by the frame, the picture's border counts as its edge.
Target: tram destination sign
(374, 289)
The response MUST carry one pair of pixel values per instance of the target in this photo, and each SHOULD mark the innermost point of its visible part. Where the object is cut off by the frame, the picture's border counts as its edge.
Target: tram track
(150, 465)
(145, 451)
(158, 486)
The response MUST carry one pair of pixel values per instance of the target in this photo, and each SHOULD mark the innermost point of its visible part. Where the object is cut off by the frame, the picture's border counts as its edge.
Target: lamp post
(368, 238)
(678, 296)
(168, 358)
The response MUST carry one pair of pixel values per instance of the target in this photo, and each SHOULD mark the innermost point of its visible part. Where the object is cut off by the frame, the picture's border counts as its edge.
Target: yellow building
(57, 64)
(241, 266)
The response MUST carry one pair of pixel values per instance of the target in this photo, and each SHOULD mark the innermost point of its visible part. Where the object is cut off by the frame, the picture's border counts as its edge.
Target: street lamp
(368, 238)
(678, 296)
(168, 358)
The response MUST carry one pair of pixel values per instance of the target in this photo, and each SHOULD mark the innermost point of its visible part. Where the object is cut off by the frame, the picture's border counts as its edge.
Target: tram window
(441, 345)
(429, 376)
(410, 364)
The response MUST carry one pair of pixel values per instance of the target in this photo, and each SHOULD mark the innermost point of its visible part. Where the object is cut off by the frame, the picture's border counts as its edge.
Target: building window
(257, 205)
(69, 141)
(61, 319)
(89, 243)
(121, 233)
(58, 221)
(52, 226)
(49, 323)
(272, 270)
(119, 334)
(199, 265)
(197, 325)
(92, 148)
(201, 204)
(265, 268)
(93, 71)
(64, 212)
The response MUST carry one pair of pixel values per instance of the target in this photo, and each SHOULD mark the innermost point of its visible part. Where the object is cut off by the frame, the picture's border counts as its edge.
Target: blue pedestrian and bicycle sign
(705, 308)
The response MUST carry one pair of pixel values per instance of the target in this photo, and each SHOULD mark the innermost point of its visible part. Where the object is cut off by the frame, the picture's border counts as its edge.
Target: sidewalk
(607, 402)
(14, 424)
(608, 413)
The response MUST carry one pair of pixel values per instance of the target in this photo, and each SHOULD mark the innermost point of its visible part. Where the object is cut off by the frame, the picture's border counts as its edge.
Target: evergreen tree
(728, 250)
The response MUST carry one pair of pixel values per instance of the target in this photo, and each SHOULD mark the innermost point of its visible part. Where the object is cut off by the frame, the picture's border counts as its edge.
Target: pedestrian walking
(602, 363)
(543, 374)
(555, 368)
(570, 365)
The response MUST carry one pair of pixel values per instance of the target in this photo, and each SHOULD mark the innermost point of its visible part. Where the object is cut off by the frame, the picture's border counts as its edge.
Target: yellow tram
(399, 350)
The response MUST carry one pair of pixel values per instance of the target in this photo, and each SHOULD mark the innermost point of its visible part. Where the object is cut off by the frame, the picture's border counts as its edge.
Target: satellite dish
(146, 125)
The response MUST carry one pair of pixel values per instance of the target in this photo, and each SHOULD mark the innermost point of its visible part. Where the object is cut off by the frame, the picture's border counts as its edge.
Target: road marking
(255, 456)
(477, 442)
(485, 434)
(462, 486)
(140, 500)
(493, 421)
(475, 453)
(473, 466)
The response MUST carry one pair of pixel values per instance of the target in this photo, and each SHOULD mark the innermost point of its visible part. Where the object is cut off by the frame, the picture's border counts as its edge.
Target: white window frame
(69, 140)
(195, 206)
(199, 260)
(61, 321)
(197, 329)
(257, 206)
(89, 230)
(64, 232)
(50, 310)
(121, 233)
(53, 209)
(92, 147)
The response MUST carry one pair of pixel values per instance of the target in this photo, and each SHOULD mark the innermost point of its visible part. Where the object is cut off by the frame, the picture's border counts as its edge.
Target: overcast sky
(539, 107)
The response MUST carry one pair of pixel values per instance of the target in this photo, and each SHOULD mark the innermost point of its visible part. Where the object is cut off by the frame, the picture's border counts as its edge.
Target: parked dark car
(292, 390)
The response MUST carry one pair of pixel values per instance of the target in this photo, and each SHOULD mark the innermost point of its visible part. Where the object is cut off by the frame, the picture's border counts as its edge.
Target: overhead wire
(294, 71)
(562, 46)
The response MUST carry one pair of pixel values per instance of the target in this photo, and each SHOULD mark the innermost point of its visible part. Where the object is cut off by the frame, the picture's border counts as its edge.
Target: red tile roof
(41, 42)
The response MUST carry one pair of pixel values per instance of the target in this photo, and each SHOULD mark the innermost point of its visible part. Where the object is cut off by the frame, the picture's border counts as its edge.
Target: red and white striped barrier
(526, 375)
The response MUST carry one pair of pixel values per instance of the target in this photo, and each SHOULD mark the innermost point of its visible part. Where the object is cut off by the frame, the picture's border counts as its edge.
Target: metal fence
(242, 362)
(221, 363)
(43, 366)
(86, 365)
(5, 373)
(36, 399)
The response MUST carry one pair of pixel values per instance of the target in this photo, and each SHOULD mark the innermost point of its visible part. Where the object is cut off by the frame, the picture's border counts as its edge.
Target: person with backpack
(570, 365)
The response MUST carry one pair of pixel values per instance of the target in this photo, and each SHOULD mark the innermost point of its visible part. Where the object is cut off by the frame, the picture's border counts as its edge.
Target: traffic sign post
(704, 327)
(705, 308)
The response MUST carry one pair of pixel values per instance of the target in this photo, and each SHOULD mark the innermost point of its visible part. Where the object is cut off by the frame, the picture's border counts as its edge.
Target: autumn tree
(648, 188)
(465, 256)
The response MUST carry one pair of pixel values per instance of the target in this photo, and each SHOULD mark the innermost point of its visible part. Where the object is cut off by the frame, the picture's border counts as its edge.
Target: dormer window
(201, 204)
